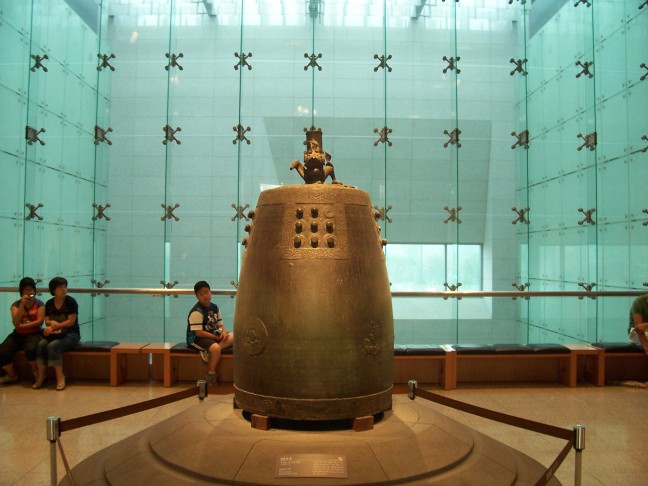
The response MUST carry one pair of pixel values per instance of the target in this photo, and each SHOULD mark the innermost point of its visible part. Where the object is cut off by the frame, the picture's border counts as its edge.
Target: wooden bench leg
(117, 368)
(449, 375)
(567, 370)
(170, 370)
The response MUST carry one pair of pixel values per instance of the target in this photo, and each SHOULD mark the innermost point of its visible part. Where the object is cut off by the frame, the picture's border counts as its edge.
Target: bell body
(313, 320)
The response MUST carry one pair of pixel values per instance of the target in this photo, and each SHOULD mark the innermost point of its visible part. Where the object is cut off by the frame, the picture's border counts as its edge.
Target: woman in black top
(61, 333)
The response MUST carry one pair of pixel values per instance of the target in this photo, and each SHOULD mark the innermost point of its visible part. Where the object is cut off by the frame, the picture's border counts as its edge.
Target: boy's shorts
(203, 343)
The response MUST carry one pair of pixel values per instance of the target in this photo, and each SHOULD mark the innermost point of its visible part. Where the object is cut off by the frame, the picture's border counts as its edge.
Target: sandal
(60, 386)
(39, 384)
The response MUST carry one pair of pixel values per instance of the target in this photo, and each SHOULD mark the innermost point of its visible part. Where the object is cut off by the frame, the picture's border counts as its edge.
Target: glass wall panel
(137, 35)
(504, 138)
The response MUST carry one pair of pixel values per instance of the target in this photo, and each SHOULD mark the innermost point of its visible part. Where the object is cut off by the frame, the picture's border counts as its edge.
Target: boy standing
(205, 330)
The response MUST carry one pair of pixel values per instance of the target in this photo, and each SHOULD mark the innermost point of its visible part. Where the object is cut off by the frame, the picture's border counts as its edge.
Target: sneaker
(205, 355)
(6, 379)
(212, 380)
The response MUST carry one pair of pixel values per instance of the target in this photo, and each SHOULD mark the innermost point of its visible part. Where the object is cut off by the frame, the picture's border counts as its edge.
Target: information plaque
(310, 466)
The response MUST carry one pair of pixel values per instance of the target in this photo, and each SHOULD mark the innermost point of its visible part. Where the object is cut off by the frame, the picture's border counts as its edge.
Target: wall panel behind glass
(138, 36)
(14, 69)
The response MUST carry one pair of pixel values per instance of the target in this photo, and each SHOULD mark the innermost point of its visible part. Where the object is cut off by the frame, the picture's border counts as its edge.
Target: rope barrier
(507, 419)
(551, 470)
(201, 391)
(546, 429)
(55, 426)
(65, 462)
(96, 418)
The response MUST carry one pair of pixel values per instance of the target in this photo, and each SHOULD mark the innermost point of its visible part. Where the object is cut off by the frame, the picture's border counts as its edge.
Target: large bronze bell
(313, 320)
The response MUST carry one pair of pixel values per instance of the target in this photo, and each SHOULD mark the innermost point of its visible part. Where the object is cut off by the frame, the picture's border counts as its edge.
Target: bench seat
(445, 365)
(178, 362)
(621, 361)
(477, 363)
(89, 360)
(425, 363)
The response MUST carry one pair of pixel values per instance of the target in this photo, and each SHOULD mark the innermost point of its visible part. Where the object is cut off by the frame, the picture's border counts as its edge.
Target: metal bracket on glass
(169, 134)
(39, 62)
(588, 216)
(169, 285)
(173, 61)
(585, 69)
(586, 2)
(100, 285)
(32, 211)
(518, 66)
(235, 285)
(645, 211)
(383, 62)
(522, 139)
(100, 211)
(240, 134)
(314, 8)
(589, 141)
(521, 288)
(452, 64)
(522, 2)
(643, 64)
(313, 61)
(588, 288)
(453, 138)
(454, 214)
(239, 212)
(521, 218)
(105, 61)
(381, 213)
(384, 136)
(31, 135)
(645, 149)
(243, 61)
(169, 212)
(100, 135)
(451, 288)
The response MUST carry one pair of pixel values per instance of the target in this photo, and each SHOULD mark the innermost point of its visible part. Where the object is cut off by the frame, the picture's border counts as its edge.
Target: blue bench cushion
(418, 350)
(95, 346)
(619, 347)
(510, 348)
(474, 348)
(182, 348)
(545, 348)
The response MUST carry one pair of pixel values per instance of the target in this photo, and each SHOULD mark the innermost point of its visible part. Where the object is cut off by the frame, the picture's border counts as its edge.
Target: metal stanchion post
(203, 390)
(53, 432)
(579, 445)
(411, 389)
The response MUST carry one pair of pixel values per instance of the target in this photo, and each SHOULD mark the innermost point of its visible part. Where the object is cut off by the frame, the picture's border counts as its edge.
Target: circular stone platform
(212, 443)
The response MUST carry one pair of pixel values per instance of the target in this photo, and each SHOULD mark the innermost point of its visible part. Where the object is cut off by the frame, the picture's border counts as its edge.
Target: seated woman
(27, 317)
(61, 332)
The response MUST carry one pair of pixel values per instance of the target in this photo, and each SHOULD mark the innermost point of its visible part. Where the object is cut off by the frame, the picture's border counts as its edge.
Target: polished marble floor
(614, 417)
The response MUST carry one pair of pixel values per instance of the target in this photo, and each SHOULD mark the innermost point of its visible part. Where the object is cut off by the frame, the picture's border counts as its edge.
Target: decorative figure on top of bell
(317, 165)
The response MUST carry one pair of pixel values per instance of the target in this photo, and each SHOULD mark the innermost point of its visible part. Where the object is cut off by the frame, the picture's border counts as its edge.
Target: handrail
(143, 291)
(444, 294)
